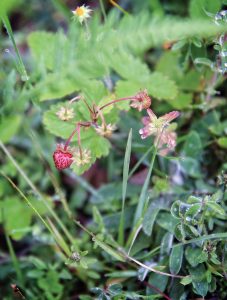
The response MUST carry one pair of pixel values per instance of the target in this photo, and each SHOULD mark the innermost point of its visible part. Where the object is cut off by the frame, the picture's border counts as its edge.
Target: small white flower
(105, 130)
(82, 13)
(65, 113)
(81, 158)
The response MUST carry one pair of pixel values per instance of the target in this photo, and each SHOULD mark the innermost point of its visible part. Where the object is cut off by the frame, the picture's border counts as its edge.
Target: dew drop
(24, 78)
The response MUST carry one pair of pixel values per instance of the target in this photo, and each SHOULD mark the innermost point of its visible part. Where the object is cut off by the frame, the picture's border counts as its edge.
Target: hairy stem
(117, 100)
(70, 138)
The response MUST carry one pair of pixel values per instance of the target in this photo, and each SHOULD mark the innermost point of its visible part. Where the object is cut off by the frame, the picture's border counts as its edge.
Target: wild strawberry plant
(113, 139)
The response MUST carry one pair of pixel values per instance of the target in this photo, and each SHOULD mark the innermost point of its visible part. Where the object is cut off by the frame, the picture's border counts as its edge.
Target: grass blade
(38, 193)
(38, 214)
(139, 162)
(124, 186)
(14, 258)
(142, 199)
(20, 65)
(102, 9)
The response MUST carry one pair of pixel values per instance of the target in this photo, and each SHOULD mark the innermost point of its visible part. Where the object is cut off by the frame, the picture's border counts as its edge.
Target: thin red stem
(77, 129)
(69, 139)
(89, 108)
(79, 142)
(117, 100)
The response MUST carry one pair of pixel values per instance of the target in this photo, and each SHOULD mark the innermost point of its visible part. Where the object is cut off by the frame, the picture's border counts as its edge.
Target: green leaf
(99, 147)
(156, 31)
(108, 249)
(56, 126)
(115, 289)
(186, 280)
(193, 211)
(98, 218)
(191, 167)
(195, 256)
(216, 208)
(168, 65)
(15, 225)
(167, 221)
(55, 86)
(122, 274)
(198, 273)
(125, 88)
(222, 142)
(193, 199)
(9, 127)
(193, 146)
(216, 197)
(35, 273)
(175, 209)
(50, 282)
(157, 84)
(201, 288)
(150, 216)
(178, 45)
(182, 100)
(180, 232)
(198, 8)
(38, 263)
(128, 66)
(166, 243)
(175, 260)
(159, 281)
(191, 81)
(44, 47)
(161, 87)
(204, 61)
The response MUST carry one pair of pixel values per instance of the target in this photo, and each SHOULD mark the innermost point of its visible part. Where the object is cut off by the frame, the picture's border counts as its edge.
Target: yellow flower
(82, 13)
(65, 113)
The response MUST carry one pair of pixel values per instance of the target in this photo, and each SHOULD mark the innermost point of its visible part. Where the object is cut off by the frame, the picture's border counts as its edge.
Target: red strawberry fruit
(62, 158)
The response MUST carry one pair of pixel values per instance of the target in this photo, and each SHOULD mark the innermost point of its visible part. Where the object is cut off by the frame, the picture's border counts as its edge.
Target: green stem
(14, 260)
(119, 7)
(102, 9)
